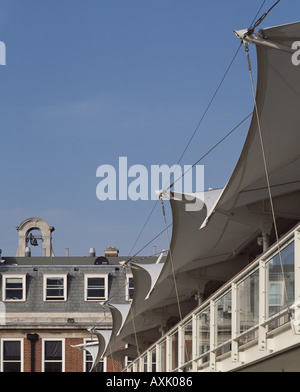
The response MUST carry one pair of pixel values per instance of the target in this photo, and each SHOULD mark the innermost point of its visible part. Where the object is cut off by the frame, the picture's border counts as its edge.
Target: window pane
(96, 293)
(14, 283)
(55, 281)
(13, 294)
(14, 288)
(153, 360)
(11, 351)
(53, 367)
(53, 356)
(96, 282)
(144, 359)
(97, 369)
(96, 288)
(53, 350)
(11, 356)
(130, 288)
(55, 293)
(12, 367)
(55, 288)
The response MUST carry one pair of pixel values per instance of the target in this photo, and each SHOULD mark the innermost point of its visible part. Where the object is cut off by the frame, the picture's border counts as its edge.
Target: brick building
(49, 304)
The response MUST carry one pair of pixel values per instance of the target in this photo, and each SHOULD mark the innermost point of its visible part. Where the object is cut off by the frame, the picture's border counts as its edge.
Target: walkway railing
(250, 318)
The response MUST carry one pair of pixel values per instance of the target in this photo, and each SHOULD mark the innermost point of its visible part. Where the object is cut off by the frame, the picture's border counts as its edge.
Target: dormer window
(96, 287)
(55, 287)
(14, 288)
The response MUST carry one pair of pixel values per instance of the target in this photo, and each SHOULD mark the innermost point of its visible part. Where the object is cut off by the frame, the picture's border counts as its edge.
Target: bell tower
(26, 238)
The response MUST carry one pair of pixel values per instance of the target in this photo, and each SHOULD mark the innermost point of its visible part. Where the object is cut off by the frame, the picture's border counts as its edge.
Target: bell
(34, 242)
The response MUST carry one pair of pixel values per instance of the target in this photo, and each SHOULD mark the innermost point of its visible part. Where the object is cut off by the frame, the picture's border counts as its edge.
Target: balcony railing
(239, 324)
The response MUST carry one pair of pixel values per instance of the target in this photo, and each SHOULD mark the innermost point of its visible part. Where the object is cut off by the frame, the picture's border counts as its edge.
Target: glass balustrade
(248, 307)
(280, 283)
(224, 312)
(257, 299)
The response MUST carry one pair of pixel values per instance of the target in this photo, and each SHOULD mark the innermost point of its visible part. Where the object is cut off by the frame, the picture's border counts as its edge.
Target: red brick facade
(113, 366)
(73, 357)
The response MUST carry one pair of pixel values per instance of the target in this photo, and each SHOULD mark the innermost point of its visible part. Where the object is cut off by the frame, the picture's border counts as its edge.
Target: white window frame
(127, 360)
(62, 340)
(21, 352)
(86, 278)
(14, 276)
(128, 276)
(45, 277)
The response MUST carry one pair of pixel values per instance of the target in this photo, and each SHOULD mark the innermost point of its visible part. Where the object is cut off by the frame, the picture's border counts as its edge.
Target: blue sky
(89, 81)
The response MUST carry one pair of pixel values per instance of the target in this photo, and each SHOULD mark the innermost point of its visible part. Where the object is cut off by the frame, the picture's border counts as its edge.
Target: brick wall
(113, 366)
(73, 357)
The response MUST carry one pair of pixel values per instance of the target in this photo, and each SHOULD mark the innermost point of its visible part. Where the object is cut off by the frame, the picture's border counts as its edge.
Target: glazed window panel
(11, 356)
(153, 360)
(96, 287)
(163, 355)
(130, 287)
(55, 287)
(53, 356)
(14, 288)
(145, 363)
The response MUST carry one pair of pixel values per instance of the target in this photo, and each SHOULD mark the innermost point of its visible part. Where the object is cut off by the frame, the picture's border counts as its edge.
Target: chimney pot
(111, 251)
(92, 252)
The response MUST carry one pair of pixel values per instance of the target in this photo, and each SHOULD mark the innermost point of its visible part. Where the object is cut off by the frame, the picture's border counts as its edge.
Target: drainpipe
(33, 338)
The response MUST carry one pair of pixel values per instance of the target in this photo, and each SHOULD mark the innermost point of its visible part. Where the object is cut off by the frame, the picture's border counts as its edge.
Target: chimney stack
(92, 252)
(111, 251)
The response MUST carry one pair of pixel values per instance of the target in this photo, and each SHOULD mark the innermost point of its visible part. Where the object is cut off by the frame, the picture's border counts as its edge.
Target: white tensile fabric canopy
(206, 244)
